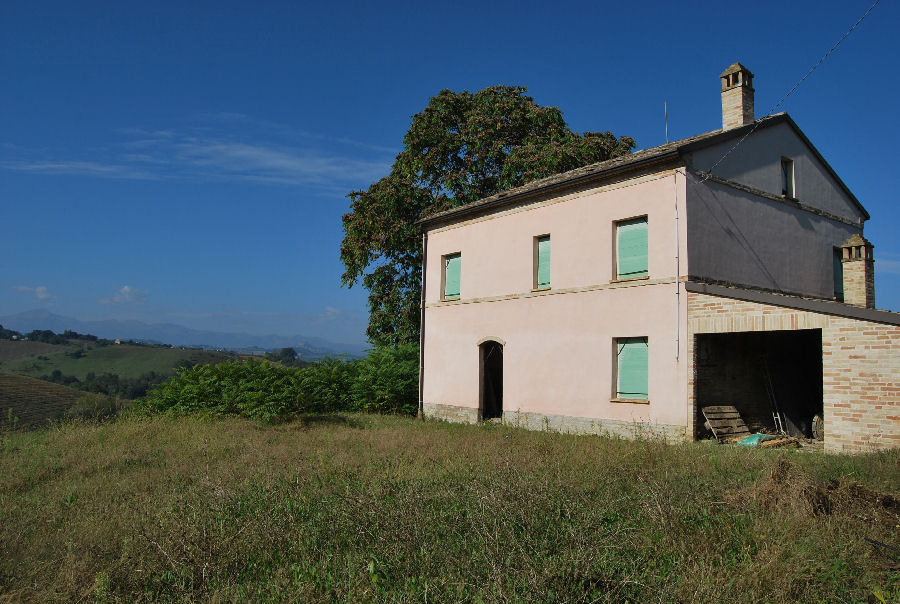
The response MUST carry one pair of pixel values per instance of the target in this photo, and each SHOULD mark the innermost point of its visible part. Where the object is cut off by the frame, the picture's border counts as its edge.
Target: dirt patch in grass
(789, 488)
(790, 491)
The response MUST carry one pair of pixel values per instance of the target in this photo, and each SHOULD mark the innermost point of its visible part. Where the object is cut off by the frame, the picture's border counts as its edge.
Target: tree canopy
(460, 148)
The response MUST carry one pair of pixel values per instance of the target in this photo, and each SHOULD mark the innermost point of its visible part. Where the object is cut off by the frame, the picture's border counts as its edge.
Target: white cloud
(223, 146)
(78, 168)
(272, 164)
(125, 295)
(41, 293)
(328, 315)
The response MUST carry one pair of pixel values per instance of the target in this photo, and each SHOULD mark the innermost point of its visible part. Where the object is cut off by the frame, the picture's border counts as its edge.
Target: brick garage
(860, 356)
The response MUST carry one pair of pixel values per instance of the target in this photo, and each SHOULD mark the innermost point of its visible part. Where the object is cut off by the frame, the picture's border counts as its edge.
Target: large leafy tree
(461, 148)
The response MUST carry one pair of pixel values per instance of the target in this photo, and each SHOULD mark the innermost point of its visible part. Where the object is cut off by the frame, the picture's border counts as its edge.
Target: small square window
(451, 275)
(542, 262)
(631, 366)
(631, 249)
(787, 178)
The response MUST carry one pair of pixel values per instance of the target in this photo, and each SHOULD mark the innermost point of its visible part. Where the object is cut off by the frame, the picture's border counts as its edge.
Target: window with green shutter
(451, 276)
(631, 248)
(632, 358)
(837, 269)
(542, 262)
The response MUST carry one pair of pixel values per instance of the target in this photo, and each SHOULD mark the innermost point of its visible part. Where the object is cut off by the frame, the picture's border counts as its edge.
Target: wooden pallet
(726, 423)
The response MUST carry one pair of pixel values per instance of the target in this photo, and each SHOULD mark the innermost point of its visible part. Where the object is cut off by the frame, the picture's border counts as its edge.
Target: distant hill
(309, 348)
(11, 350)
(124, 360)
(30, 402)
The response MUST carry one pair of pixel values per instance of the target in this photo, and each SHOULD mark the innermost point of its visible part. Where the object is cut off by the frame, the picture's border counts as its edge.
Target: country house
(622, 297)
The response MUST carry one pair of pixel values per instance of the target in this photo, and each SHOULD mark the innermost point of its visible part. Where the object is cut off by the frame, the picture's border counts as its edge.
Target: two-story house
(622, 297)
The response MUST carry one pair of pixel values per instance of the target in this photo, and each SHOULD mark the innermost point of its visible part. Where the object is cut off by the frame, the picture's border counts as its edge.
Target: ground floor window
(632, 361)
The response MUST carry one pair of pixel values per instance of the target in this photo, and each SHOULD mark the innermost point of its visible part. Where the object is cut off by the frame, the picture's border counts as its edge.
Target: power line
(792, 90)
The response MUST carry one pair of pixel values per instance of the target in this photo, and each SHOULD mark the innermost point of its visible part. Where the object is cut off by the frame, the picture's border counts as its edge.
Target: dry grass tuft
(790, 488)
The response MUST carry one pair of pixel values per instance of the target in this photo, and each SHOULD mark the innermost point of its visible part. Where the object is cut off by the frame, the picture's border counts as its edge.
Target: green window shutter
(543, 258)
(633, 360)
(451, 276)
(838, 273)
(632, 249)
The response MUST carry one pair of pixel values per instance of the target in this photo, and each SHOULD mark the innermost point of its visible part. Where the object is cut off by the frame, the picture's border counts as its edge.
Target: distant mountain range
(176, 335)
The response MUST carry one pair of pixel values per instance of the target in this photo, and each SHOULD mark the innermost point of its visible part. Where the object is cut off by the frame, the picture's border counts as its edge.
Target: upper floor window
(631, 248)
(787, 178)
(450, 276)
(838, 273)
(542, 262)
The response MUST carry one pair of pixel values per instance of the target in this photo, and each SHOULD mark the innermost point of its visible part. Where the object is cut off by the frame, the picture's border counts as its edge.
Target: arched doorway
(490, 355)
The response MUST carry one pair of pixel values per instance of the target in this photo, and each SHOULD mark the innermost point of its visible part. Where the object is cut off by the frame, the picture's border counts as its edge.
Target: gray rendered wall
(741, 238)
(738, 237)
(757, 163)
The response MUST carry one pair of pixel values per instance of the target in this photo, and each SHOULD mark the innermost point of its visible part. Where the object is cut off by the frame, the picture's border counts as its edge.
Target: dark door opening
(760, 371)
(491, 362)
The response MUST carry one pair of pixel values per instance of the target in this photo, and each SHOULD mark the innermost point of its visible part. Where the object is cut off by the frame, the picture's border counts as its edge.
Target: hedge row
(386, 381)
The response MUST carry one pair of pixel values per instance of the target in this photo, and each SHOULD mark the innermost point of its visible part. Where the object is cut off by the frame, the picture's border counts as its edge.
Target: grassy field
(125, 360)
(27, 402)
(368, 508)
(17, 349)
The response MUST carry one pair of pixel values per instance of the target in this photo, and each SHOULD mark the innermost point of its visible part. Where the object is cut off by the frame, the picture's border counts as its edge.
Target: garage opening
(771, 377)
(491, 362)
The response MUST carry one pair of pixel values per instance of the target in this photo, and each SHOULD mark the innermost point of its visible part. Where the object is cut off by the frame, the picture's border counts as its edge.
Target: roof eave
(492, 206)
(676, 152)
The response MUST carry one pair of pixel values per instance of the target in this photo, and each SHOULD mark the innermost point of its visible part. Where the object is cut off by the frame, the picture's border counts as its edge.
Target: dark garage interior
(750, 369)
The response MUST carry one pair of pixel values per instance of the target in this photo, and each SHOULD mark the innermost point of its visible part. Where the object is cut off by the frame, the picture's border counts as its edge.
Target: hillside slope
(27, 402)
(11, 350)
(127, 361)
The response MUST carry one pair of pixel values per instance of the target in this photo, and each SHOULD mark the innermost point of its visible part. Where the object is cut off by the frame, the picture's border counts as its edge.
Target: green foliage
(112, 384)
(384, 382)
(76, 354)
(94, 406)
(387, 380)
(46, 336)
(74, 335)
(254, 389)
(461, 148)
(8, 334)
(287, 357)
(325, 385)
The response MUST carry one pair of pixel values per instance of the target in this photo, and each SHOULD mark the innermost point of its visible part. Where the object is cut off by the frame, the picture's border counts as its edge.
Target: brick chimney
(737, 96)
(859, 271)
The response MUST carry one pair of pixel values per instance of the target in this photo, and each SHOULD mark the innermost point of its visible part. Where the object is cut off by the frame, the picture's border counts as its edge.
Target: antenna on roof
(666, 112)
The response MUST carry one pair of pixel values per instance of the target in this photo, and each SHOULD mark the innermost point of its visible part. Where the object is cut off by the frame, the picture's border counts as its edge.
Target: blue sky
(188, 162)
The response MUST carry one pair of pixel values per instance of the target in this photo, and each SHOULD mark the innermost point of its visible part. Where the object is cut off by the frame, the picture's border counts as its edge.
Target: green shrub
(326, 385)
(254, 389)
(386, 381)
(94, 406)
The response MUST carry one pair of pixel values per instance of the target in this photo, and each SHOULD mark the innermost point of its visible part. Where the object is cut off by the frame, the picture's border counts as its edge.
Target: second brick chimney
(737, 96)
(859, 272)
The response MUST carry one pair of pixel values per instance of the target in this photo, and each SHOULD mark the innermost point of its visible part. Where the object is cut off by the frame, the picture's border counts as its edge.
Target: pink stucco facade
(558, 344)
